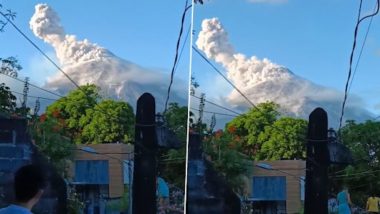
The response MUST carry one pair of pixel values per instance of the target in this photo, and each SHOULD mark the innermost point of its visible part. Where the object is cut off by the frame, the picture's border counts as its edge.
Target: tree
(108, 122)
(7, 100)
(10, 66)
(176, 119)
(8, 15)
(266, 136)
(251, 124)
(363, 139)
(72, 108)
(284, 139)
(223, 149)
(51, 138)
(173, 167)
(90, 120)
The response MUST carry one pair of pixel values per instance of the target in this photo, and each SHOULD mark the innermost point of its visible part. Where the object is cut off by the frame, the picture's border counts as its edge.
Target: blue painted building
(102, 176)
(278, 190)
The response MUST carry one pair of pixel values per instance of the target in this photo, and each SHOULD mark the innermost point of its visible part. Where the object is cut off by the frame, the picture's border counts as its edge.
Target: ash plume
(86, 62)
(262, 80)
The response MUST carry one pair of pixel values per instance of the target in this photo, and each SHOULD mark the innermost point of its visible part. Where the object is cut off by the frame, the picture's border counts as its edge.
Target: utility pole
(145, 163)
(317, 161)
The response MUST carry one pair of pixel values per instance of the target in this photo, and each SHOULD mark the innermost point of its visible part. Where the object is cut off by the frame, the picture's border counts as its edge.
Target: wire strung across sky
(50, 92)
(176, 54)
(361, 50)
(55, 65)
(224, 77)
(39, 49)
(31, 96)
(212, 103)
(212, 112)
(352, 56)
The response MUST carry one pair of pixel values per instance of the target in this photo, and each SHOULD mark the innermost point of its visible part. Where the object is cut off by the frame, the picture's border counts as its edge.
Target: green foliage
(7, 100)
(284, 139)
(73, 106)
(74, 204)
(223, 150)
(173, 167)
(108, 122)
(122, 204)
(10, 66)
(50, 137)
(363, 139)
(252, 123)
(267, 137)
(173, 161)
(176, 118)
(89, 120)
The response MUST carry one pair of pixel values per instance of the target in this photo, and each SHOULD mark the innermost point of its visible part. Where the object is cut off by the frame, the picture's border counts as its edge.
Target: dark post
(316, 164)
(145, 170)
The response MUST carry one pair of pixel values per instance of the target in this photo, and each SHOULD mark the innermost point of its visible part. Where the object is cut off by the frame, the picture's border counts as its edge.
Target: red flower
(55, 113)
(218, 133)
(43, 118)
(231, 129)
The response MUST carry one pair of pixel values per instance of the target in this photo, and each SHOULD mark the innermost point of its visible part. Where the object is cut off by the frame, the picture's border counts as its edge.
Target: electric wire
(50, 92)
(176, 54)
(361, 51)
(351, 59)
(31, 96)
(39, 49)
(211, 112)
(183, 47)
(224, 77)
(212, 103)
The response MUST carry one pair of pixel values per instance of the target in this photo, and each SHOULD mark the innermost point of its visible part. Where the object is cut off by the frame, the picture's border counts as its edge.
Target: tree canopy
(7, 100)
(173, 161)
(92, 120)
(363, 139)
(266, 136)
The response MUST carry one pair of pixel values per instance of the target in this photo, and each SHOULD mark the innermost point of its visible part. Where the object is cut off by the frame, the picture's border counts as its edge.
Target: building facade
(102, 176)
(278, 188)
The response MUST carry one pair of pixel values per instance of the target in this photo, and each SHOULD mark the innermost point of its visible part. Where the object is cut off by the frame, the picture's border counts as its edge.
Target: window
(91, 172)
(269, 188)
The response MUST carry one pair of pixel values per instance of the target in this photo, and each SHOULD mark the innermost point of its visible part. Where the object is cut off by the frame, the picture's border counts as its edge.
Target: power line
(31, 96)
(224, 77)
(212, 103)
(183, 46)
(361, 51)
(39, 49)
(211, 112)
(55, 65)
(50, 92)
(352, 56)
(176, 54)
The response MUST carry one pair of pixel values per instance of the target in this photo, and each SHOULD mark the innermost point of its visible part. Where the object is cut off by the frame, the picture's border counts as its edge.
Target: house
(277, 186)
(102, 175)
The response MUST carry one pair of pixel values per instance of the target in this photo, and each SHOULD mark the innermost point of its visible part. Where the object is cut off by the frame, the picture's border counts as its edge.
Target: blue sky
(311, 38)
(143, 32)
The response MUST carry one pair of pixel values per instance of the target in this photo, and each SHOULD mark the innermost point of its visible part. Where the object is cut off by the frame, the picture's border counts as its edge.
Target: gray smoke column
(86, 62)
(263, 80)
(45, 24)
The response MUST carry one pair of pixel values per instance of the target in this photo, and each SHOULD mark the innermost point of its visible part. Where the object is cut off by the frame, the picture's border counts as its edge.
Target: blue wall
(91, 171)
(269, 188)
